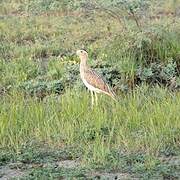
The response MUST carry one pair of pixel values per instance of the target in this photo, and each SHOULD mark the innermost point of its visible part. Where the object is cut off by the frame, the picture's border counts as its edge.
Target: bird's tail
(112, 95)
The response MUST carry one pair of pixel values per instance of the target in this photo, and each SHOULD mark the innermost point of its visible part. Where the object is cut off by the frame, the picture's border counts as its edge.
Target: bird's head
(83, 55)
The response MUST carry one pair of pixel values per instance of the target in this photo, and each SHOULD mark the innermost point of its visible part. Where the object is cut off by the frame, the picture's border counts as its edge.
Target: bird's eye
(81, 51)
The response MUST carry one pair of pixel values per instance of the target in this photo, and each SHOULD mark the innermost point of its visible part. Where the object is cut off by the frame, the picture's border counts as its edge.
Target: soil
(12, 171)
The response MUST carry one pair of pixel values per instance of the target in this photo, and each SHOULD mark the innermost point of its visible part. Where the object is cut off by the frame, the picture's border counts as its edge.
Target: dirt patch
(7, 173)
(68, 164)
(172, 160)
(16, 170)
(106, 175)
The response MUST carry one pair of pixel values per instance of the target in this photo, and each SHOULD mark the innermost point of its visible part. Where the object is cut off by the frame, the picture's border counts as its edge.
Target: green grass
(145, 120)
(129, 135)
(44, 103)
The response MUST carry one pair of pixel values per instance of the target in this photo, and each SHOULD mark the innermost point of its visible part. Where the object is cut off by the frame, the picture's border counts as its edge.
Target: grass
(45, 111)
(150, 116)
(143, 124)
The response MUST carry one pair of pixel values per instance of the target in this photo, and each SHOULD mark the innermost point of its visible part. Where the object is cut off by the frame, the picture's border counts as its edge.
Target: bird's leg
(96, 98)
(92, 98)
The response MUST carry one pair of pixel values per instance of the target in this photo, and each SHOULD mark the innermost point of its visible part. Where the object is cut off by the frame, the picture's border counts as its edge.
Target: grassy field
(48, 129)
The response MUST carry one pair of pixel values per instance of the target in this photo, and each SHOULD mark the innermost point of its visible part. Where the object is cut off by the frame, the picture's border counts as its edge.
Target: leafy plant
(42, 88)
(157, 73)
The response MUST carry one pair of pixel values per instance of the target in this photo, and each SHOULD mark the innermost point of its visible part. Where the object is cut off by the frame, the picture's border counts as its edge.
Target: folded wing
(96, 81)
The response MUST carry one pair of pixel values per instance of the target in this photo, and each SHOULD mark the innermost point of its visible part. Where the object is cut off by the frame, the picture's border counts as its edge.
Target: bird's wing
(96, 81)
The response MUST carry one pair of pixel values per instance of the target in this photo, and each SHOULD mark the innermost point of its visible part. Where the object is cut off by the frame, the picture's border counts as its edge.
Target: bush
(42, 88)
(157, 73)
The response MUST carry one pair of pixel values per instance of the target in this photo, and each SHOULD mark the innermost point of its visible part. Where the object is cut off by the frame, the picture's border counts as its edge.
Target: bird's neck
(83, 64)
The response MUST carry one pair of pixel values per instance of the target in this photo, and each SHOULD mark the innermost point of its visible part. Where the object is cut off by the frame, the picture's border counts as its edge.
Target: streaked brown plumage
(96, 81)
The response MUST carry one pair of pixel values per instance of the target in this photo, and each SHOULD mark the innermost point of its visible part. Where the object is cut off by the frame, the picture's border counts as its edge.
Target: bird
(91, 79)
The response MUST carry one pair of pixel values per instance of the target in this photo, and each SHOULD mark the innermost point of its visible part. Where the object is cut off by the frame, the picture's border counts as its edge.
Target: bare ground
(12, 170)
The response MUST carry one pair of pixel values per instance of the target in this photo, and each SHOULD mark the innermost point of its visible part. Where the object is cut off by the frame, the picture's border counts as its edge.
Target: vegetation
(45, 114)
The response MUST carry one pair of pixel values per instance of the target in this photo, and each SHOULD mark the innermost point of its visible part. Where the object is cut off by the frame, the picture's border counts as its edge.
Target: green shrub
(157, 73)
(42, 88)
